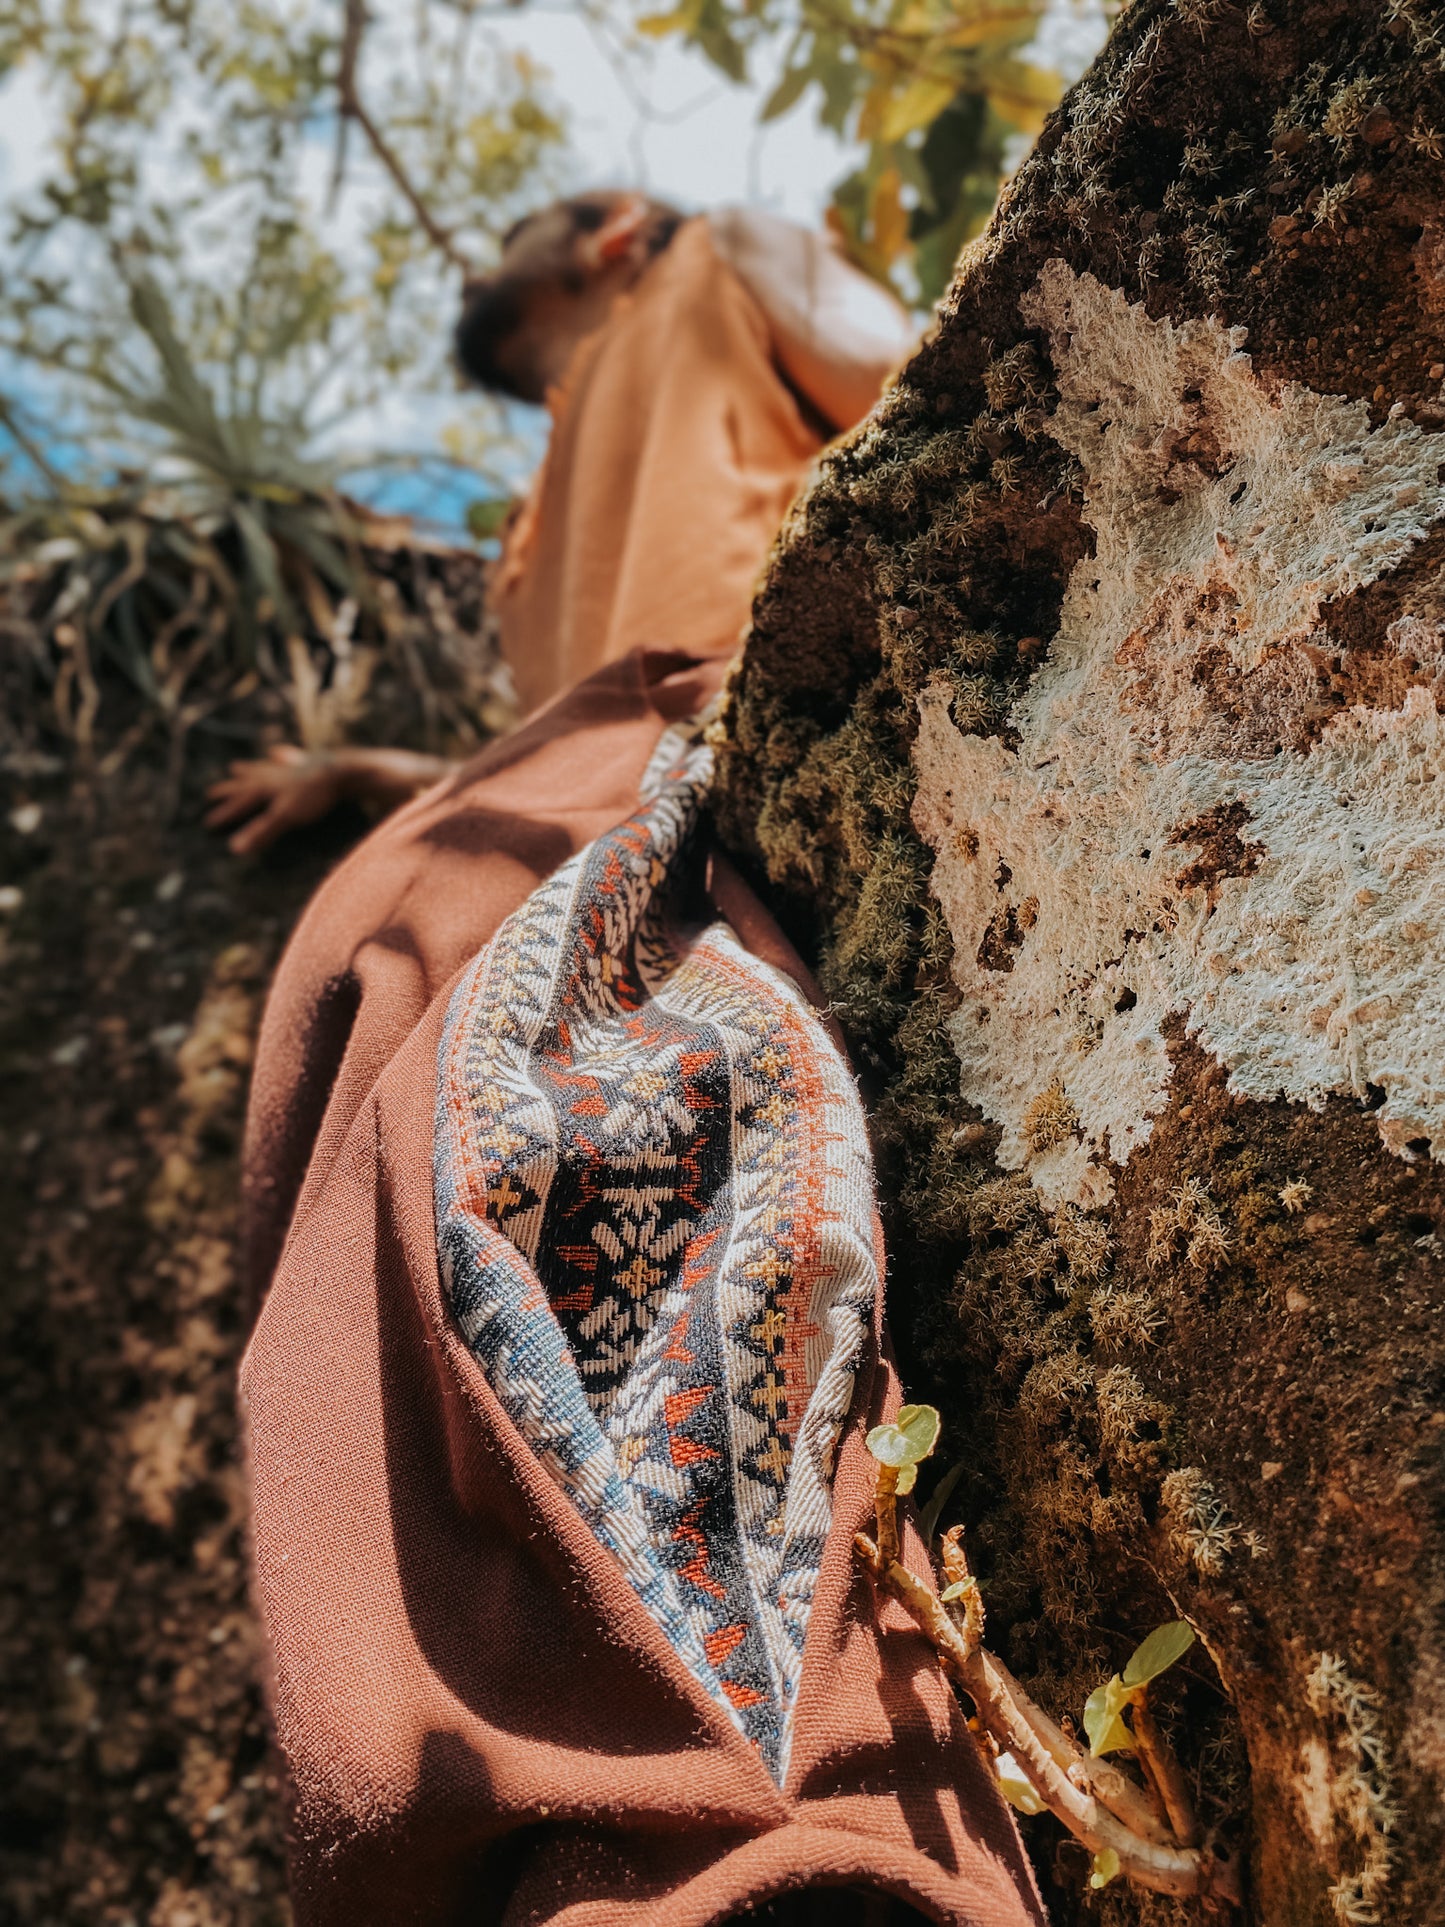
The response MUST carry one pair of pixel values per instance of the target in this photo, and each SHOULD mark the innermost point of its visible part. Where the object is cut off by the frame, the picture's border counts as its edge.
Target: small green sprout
(486, 516)
(1106, 1865)
(1104, 1709)
(1104, 1719)
(1154, 1833)
(1015, 1787)
(906, 1442)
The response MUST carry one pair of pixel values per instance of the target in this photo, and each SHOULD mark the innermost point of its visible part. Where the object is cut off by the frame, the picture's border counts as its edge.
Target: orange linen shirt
(676, 449)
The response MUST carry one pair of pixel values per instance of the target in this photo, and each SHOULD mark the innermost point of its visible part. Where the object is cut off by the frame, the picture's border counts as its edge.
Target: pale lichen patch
(1362, 1803)
(1225, 517)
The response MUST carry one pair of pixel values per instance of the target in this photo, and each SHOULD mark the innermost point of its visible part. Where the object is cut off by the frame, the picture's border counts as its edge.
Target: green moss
(1066, 1364)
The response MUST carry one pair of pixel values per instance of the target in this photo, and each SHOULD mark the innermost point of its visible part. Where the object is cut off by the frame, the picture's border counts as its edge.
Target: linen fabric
(676, 447)
(481, 1716)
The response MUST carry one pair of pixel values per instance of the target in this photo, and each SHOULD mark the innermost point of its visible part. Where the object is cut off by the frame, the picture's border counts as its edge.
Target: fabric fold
(480, 1719)
(656, 1227)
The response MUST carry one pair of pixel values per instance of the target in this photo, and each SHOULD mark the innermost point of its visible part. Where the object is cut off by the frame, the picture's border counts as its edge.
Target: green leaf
(788, 92)
(907, 1441)
(1015, 1786)
(261, 557)
(840, 80)
(1104, 1719)
(1023, 95)
(487, 515)
(920, 1426)
(919, 105)
(1008, 25)
(1106, 1866)
(723, 51)
(658, 25)
(324, 553)
(888, 1445)
(929, 1517)
(1159, 1651)
(955, 1591)
(907, 1479)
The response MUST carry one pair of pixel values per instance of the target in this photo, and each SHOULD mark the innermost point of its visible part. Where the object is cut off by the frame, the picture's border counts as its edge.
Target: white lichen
(1361, 1797)
(1200, 1528)
(1182, 682)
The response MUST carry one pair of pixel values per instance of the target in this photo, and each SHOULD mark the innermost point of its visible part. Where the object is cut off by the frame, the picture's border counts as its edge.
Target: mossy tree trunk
(1087, 739)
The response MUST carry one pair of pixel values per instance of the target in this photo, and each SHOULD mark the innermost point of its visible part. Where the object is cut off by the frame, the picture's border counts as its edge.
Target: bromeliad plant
(232, 569)
(1146, 1832)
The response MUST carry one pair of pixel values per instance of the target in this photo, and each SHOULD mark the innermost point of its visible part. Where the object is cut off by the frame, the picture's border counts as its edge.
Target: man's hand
(289, 788)
(292, 787)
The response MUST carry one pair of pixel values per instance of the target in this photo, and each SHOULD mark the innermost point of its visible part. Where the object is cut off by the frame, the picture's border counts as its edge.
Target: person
(561, 1226)
(560, 1229)
(693, 369)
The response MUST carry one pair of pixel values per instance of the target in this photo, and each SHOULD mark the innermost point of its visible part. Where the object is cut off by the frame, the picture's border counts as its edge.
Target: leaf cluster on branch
(940, 92)
(204, 149)
(1146, 1832)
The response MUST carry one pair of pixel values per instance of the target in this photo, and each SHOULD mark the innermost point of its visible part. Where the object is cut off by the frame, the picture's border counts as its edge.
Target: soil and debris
(134, 955)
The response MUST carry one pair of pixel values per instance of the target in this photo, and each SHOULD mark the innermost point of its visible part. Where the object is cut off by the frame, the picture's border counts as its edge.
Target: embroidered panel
(656, 1222)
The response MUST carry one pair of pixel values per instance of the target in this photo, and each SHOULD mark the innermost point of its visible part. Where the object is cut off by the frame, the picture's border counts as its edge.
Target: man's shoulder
(835, 332)
(760, 246)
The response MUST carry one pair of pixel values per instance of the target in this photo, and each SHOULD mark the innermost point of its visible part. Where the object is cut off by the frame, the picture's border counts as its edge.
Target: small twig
(1183, 1872)
(1152, 1793)
(885, 1509)
(1126, 1801)
(353, 108)
(1157, 1758)
(1137, 1809)
(966, 1610)
(352, 32)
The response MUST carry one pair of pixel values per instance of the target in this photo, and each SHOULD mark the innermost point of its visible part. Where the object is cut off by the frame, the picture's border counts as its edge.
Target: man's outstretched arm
(290, 787)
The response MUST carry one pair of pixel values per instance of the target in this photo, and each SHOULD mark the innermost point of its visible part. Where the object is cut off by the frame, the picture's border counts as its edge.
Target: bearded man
(693, 370)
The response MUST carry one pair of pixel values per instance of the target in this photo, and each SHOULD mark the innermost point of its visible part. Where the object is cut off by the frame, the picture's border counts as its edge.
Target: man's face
(534, 356)
(562, 284)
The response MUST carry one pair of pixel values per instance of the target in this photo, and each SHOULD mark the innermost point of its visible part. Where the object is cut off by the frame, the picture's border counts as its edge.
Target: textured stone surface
(1148, 536)
(1182, 683)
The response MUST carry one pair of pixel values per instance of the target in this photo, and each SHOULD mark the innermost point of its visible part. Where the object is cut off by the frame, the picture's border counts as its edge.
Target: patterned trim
(655, 1214)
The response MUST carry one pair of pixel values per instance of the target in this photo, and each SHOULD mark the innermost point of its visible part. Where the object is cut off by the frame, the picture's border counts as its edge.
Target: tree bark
(1088, 741)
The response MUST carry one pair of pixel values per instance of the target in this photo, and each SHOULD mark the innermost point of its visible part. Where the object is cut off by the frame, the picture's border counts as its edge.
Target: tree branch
(885, 1506)
(1120, 1795)
(1156, 1756)
(1070, 1786)
(353, 108)
(1126, 1801)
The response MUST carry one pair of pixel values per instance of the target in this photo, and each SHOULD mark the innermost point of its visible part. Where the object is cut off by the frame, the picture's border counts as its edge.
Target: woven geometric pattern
(655, 1214)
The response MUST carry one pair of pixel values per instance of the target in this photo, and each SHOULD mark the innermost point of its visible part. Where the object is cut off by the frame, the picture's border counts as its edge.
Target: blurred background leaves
(242, 244)
(941, 96)
(210, 279)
